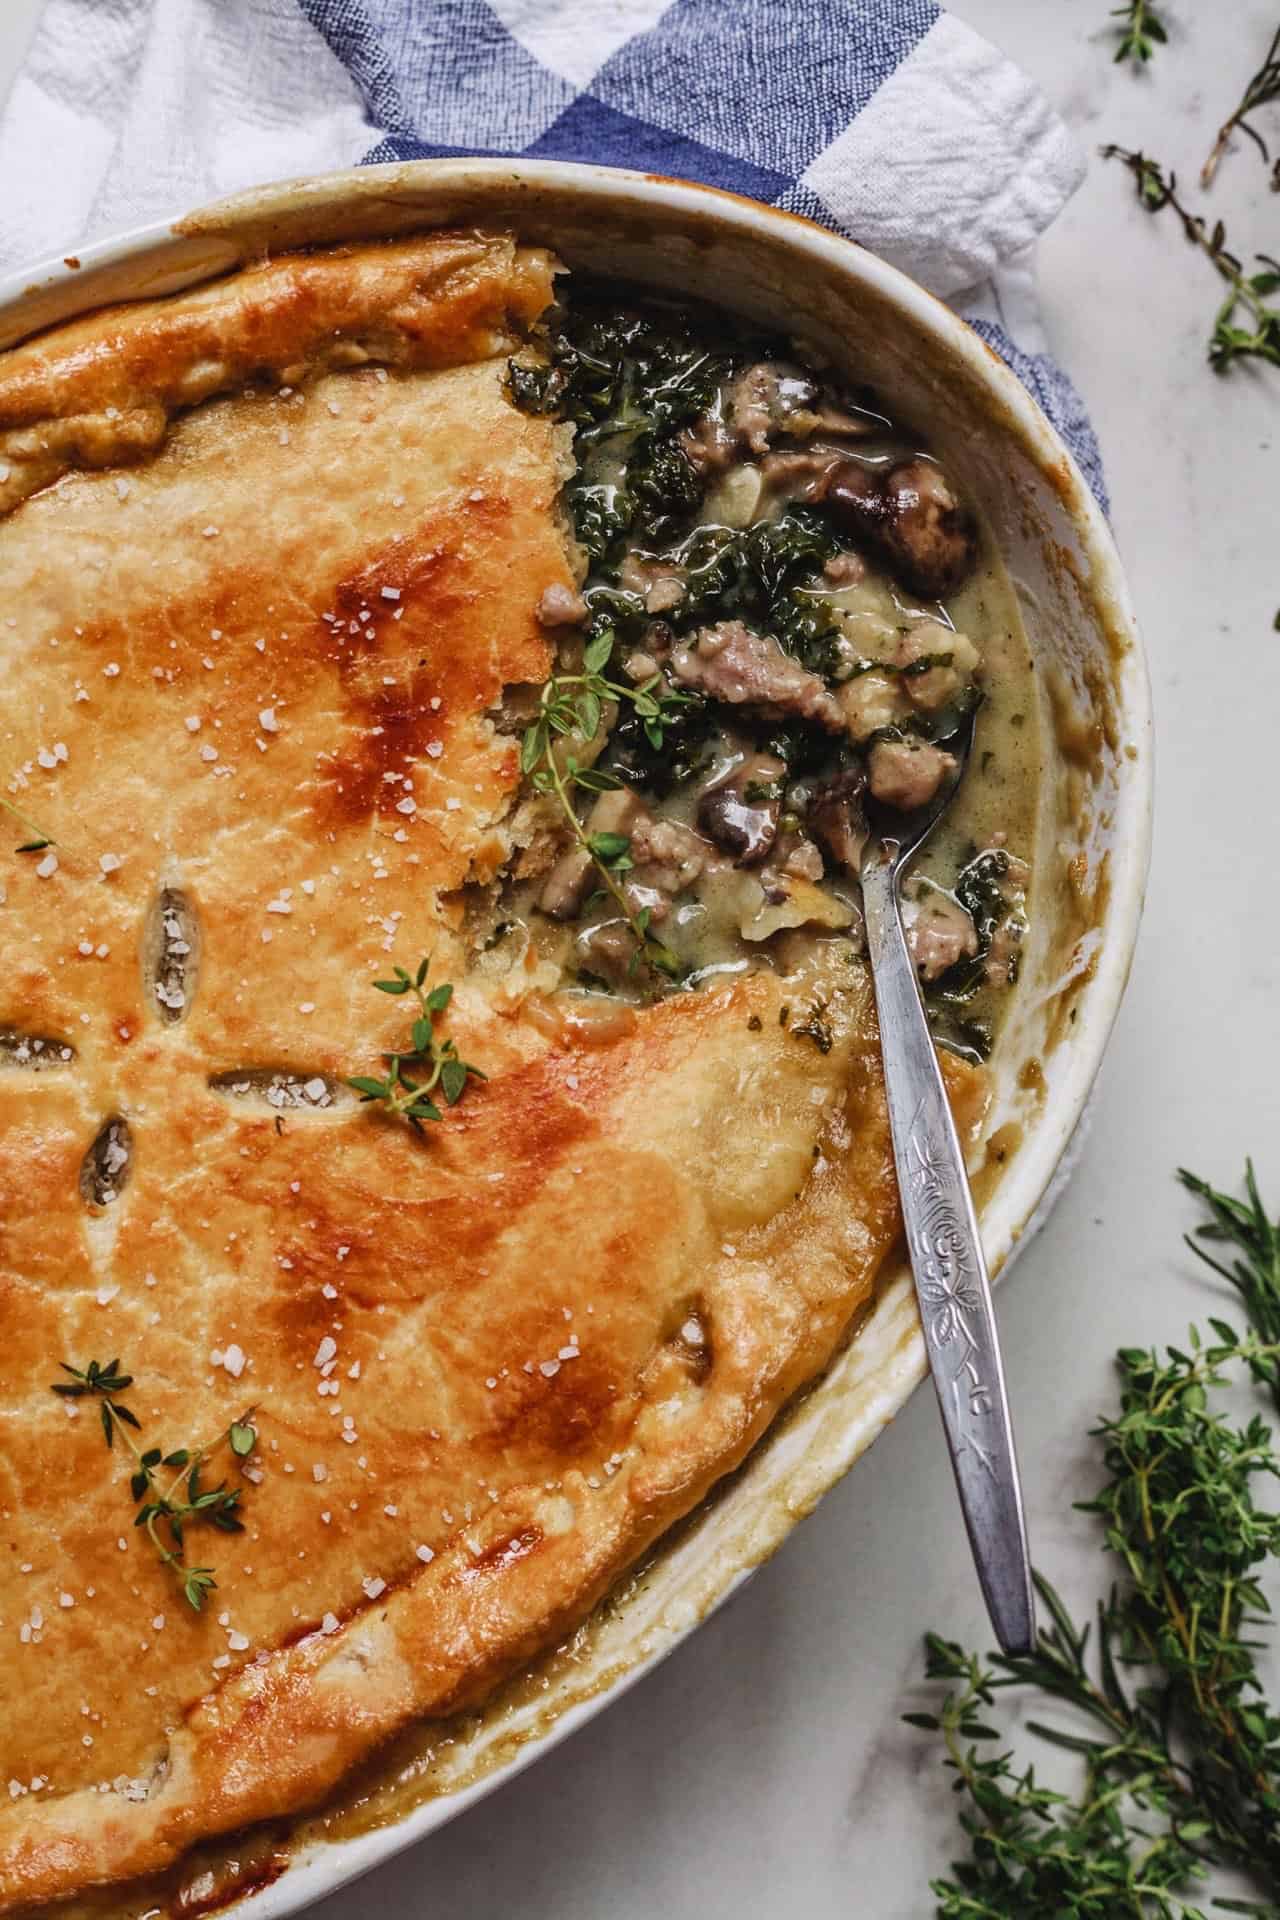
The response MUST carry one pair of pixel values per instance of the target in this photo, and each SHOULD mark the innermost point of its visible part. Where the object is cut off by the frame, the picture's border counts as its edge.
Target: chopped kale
(763, 575)
(783, 553)
(614, 370)
(803, 749)
(635, 377)
(534, 389)
(980, 891)
(634, 757)
(662, 486)
(601, 521)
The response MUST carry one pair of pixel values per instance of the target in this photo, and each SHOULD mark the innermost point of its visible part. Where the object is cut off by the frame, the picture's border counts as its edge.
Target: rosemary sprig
(572, 705)
(1141, 30)
(1263, 86)
(429, 1062)
(1247, 293)
(166, 1508)
(1180, 1745)
(39, 838)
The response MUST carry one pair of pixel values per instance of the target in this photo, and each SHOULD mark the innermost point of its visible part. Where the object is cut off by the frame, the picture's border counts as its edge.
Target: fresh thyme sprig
(39, 838)
(1263, 86)
(1181, 1747)
(1255, 1270)
(1141, 30)
(1259, 338)
(429, 1062)
(165, 1507)
(572, 706)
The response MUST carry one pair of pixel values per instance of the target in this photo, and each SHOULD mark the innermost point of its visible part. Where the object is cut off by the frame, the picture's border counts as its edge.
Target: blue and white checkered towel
(885, 119)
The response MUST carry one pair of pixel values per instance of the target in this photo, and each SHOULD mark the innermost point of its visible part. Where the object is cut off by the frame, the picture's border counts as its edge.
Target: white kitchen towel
(885, 119)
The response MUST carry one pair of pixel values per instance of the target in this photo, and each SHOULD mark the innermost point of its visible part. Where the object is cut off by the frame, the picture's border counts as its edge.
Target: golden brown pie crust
(244, 643)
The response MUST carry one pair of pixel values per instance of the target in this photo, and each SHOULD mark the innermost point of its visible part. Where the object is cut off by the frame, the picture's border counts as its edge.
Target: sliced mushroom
(912, 519)
(836, 818)
(569, 881)
(565, 887)
(740, 810)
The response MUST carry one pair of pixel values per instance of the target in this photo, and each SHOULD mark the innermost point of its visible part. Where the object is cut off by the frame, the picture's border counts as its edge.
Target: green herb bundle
(1141, 30)
(430, 1063)
(166, 1511)
(1246, 325)
(1180, 1746)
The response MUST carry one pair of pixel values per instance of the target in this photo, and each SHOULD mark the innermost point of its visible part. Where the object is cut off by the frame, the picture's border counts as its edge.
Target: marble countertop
(764, 1767)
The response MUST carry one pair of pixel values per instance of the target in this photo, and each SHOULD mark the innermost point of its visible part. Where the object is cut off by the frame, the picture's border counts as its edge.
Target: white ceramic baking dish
(1095, 814)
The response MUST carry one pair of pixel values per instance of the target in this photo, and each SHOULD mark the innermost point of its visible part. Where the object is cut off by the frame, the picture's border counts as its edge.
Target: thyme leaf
(1245, 325)
(430, 1061)
(1167, 1708)
(164, 1512)
(1141, 30)
(1263, 86)
(39, 838)
(571, 710)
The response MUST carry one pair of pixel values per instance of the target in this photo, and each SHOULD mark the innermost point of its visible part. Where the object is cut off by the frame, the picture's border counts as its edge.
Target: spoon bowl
(907, 831)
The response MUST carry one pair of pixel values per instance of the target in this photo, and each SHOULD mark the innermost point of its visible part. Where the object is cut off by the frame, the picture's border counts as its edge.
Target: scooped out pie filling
(784, 608)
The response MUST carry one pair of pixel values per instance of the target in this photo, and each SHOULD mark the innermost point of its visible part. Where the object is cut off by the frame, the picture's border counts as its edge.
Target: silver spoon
(952, 1284)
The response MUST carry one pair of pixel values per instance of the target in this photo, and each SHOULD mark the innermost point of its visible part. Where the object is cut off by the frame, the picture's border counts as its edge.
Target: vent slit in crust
(35, 1052)
(283, 1088)
(171, 955)
(105, 1169)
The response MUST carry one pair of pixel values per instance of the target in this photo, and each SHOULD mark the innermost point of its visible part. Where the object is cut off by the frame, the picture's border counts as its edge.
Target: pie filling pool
(786, 605)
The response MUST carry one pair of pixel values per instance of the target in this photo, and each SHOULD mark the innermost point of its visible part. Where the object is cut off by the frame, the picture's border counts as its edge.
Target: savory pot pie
(441, 1111)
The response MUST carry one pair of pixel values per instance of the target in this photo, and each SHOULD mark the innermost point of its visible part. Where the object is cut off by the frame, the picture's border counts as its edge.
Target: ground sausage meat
(569, 881)
(954, 657)
(732, 663)
(939, 933)
(906, 774)
(708, 445)
(740, 810)
(761, 399)
(794, 475)
(560, 606)
(669, 856)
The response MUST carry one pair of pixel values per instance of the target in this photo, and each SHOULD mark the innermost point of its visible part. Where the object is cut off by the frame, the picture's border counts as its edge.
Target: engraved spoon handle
(950, 1272)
